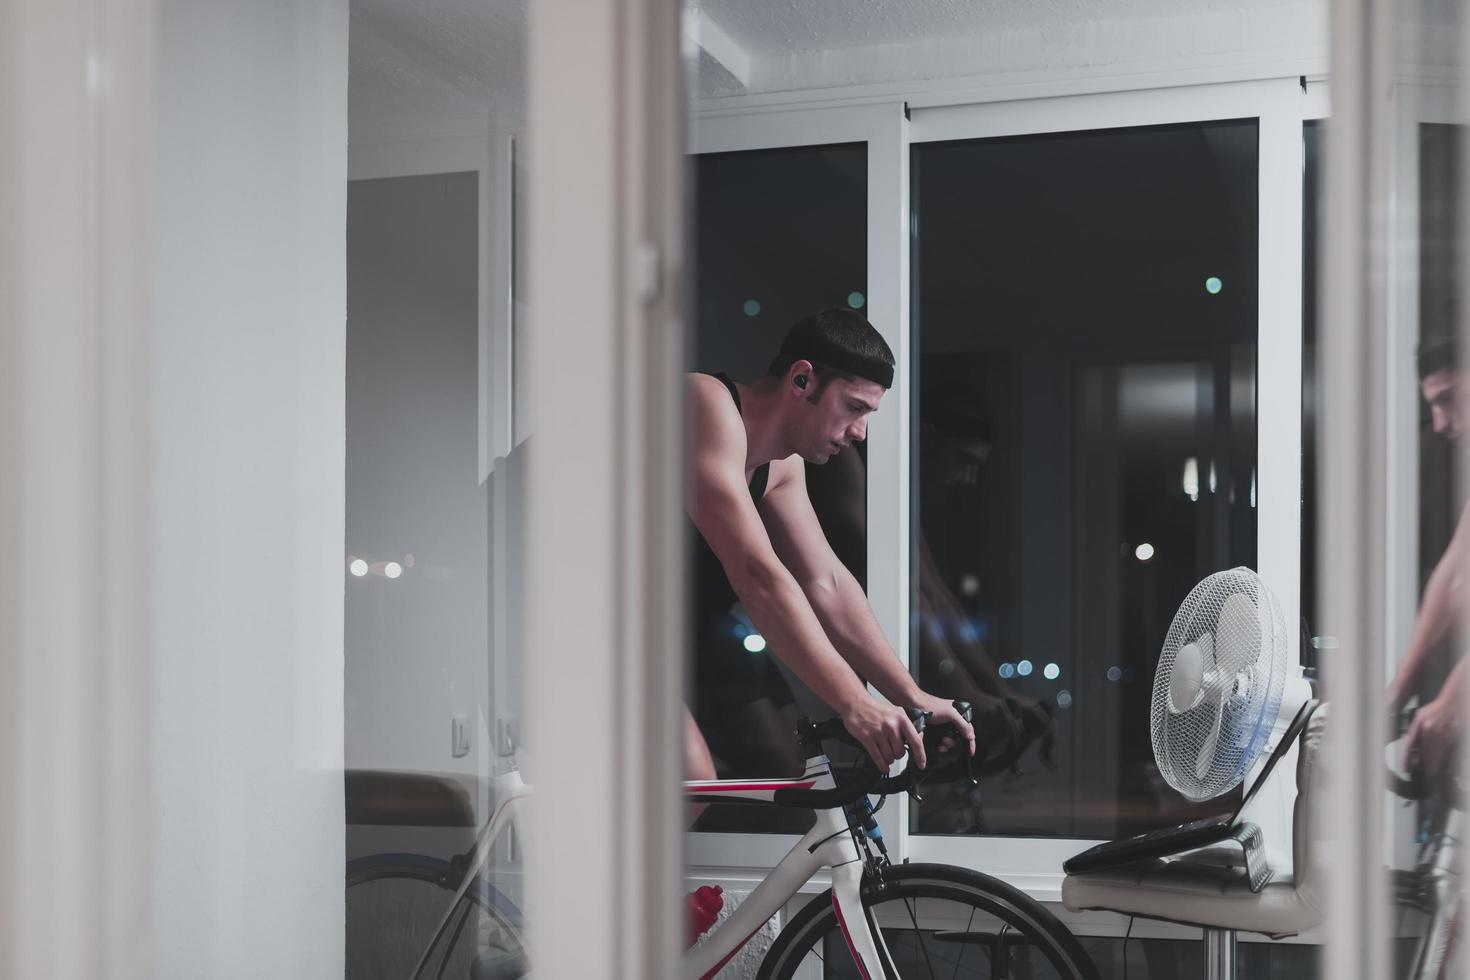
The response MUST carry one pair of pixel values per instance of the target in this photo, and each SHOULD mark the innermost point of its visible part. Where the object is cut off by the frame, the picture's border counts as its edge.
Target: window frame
(1280, 106)
(890, 129)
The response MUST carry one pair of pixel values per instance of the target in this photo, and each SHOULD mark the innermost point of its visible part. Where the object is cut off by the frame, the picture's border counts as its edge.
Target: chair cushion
(407, 799)
(1217, 896)
(1205, 891)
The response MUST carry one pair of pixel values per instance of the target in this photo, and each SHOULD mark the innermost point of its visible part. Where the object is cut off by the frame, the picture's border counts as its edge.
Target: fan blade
(1187, 676)
(1238, 635)
(1205, 758)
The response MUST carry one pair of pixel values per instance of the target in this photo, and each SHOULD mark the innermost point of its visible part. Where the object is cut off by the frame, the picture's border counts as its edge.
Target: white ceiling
(465, 58)
(435, 58)
(778, 27)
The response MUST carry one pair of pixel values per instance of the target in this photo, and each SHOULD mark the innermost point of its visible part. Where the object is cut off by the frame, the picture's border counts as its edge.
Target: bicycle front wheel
(937, 922)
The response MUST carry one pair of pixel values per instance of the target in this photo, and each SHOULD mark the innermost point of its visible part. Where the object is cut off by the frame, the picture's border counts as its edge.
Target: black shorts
(728, 677)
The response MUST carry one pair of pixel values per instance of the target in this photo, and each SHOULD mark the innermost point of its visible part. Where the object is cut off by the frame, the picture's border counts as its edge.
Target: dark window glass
(1440, 501)
(1085, 447)
(780, 234)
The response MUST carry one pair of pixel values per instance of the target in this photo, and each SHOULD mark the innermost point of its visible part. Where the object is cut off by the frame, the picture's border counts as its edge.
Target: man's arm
(721, 508)
(1438, 725)
(835, 596)
(1438, 612)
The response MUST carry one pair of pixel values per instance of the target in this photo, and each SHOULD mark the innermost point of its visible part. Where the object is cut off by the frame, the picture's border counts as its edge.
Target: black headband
(820, 351)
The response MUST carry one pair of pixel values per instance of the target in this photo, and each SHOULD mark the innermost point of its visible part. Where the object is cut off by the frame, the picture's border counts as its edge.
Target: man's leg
(698, 764)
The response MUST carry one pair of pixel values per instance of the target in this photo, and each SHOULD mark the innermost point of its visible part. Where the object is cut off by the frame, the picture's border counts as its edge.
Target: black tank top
(713, 594)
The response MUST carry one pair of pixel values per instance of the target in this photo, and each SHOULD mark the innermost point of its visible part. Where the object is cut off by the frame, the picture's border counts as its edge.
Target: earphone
(801, 381)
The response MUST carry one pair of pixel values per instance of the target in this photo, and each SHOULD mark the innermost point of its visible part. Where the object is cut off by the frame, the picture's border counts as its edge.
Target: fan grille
(1211, 721)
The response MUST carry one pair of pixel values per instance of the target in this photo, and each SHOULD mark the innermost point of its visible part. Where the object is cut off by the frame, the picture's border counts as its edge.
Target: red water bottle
(705, 903)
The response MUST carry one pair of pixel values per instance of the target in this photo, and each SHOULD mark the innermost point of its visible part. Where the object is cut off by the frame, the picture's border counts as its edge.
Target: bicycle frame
(1439, 947)
(511, 792)
(829, 844)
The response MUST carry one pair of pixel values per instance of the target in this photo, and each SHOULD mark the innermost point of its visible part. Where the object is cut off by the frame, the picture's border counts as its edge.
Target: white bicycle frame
(829, 844)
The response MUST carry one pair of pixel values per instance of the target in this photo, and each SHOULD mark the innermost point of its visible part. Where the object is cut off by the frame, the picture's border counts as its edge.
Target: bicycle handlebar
(869, 780)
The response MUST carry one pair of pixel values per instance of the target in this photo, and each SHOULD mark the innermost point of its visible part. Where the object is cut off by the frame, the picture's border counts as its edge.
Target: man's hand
(942, 712)
(883, 730)
(1436, 731)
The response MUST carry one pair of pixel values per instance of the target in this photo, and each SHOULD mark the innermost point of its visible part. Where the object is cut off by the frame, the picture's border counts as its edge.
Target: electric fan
(1225, 681)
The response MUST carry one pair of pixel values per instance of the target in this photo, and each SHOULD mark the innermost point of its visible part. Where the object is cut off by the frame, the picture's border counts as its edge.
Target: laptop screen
(1304, 713)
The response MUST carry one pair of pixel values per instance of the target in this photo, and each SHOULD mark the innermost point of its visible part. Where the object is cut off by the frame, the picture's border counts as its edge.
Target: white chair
(1216, 896)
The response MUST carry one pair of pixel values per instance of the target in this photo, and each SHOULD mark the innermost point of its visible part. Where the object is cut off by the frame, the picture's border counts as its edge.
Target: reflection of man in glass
(1438, 723)
(955, 440)
(759, 543)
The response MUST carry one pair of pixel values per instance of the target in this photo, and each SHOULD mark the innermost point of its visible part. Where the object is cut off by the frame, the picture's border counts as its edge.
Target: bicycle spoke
(960, 958)
(919, 938)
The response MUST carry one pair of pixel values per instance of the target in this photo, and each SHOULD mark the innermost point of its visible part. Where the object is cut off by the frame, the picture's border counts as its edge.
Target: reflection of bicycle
(478, 930)
(887, 921)
(1432, 888)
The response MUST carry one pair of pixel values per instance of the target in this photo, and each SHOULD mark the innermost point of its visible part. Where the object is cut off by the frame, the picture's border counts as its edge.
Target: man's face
(961, 458)
(1439, 391)
(835, 418)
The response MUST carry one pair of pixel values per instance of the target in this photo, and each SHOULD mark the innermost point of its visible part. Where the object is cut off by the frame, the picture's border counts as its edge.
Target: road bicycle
(877, 921)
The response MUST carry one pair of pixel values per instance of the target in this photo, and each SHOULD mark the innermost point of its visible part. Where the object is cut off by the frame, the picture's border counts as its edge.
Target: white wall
(248, 379)
(417, 646)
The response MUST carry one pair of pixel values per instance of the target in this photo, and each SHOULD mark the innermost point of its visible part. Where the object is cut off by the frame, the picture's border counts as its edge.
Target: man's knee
(697, 761)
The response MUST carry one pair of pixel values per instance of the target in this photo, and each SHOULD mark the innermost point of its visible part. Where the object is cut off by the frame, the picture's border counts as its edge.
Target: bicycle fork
(863, 937)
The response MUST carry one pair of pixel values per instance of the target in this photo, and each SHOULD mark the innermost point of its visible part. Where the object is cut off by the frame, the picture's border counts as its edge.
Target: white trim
(1014, 860)
(497, 387)
(412, 157)
(1279, 366)
(1018, 86)
(789, 127)
(887, 526)
(1112, 110)
(707, 850)
(701, 33)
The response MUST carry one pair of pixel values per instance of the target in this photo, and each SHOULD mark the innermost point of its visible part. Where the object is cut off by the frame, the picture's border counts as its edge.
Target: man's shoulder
(714, 421)
(703, 386)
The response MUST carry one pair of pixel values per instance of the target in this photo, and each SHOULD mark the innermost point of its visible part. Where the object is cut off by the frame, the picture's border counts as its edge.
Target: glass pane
(436, 465)
(780, 235)
(1085, 449)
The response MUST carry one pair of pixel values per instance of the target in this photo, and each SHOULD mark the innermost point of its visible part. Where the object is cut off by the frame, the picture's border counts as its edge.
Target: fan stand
(1219, 954)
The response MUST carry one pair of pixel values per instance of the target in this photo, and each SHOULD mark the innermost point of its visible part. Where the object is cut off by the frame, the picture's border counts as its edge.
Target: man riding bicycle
(760, 544)
(1437, 726)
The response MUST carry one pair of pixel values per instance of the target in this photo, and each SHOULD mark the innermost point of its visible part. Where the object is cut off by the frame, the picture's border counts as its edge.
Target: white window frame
(1282, 106)
(443, 146)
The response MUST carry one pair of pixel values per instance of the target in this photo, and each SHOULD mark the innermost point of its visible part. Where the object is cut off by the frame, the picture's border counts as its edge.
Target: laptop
(1167, 841)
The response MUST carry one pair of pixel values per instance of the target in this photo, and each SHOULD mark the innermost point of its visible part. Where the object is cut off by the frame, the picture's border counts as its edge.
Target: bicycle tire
(907, 883)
